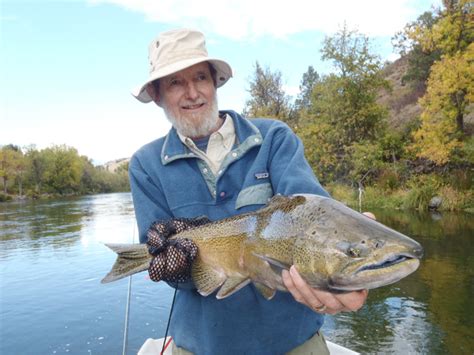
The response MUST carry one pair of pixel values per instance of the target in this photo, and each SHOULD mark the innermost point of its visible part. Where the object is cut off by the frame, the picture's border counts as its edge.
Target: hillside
(402, 99)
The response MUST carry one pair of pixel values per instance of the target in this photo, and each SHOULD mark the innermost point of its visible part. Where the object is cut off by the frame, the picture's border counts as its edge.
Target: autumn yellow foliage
(450, 89)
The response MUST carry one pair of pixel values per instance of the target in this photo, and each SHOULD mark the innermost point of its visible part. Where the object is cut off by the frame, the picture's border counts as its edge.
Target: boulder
(435, 202)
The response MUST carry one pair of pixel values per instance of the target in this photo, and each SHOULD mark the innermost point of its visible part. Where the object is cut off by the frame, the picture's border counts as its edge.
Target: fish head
(343, 250)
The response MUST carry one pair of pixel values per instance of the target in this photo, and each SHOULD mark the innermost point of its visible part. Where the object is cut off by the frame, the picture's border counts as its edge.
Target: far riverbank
(421, 198)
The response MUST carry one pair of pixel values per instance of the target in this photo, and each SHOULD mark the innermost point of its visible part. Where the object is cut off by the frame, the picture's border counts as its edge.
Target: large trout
(332, 246)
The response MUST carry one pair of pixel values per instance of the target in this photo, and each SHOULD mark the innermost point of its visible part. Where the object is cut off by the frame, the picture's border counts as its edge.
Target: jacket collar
(247, 136)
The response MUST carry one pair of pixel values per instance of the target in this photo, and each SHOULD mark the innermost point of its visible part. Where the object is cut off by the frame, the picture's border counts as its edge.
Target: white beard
(195, 125)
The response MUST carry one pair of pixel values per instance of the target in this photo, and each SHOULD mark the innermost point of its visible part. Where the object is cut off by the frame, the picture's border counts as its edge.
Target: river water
(52, 259)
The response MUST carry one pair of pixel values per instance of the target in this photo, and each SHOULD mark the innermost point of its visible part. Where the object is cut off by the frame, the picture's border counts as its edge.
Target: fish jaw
(343, 250)
(375, 275)
(398, 257)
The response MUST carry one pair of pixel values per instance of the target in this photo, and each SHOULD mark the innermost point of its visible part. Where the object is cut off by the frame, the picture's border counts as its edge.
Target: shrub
(421, 190)
(5, 197)
(461, 179)
(343, 193)
(455, 200)
(375, 198)
(389, 179)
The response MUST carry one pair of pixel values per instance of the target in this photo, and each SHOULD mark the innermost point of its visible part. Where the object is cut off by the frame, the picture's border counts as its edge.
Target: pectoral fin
(276, 265)
(206, 278)
(232, 285)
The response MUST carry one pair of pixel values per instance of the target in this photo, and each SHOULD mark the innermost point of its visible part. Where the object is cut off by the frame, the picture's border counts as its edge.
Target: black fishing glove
(173, 258)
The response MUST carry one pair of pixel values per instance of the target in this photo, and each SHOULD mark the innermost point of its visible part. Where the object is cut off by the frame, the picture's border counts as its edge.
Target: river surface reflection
(52, 258)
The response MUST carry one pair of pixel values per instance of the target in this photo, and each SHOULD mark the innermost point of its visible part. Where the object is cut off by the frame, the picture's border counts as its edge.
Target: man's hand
(322, 301)
(173, 258)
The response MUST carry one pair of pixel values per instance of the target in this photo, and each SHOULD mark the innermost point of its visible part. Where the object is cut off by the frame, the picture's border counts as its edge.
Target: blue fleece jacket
(168, 180)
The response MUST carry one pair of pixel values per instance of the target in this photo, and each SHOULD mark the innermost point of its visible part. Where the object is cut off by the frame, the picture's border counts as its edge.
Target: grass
(405, 198)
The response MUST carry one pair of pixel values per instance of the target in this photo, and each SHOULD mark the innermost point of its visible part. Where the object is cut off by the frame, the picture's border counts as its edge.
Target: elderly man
(218, 164)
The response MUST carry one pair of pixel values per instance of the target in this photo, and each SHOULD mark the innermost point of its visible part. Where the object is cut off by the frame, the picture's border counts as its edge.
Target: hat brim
(223, 74)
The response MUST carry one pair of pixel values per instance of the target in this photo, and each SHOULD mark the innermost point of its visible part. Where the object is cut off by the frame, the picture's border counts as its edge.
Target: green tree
(267, 97)
(420, 58)
(89, 177)
(299, 112)
(344, 110)
(367, 160)
(12, 166)
(308, 82)
(36, 167)
(64, 168)
(58, 169)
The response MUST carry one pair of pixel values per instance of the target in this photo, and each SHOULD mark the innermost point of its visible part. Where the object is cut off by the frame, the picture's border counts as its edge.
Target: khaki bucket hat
(176, 50)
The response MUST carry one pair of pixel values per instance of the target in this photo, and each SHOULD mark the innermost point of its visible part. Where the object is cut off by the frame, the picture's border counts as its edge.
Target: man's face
(189, 100)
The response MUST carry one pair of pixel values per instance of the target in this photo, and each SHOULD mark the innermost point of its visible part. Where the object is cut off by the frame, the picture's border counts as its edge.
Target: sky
(67, 66)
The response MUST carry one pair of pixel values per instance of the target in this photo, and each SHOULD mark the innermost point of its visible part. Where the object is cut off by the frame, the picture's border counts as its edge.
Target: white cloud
(243, 19)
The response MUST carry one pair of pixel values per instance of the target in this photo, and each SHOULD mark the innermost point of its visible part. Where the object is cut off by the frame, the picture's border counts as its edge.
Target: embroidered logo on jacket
(264, 175)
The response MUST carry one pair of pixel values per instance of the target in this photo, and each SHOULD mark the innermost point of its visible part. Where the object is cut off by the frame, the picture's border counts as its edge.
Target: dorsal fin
(277, 199)
(284, 202)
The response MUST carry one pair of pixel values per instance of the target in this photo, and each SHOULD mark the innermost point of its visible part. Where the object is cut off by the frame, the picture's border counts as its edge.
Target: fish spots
(378, 244)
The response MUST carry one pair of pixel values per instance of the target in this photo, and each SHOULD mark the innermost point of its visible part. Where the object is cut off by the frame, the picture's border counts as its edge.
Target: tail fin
(131, 258)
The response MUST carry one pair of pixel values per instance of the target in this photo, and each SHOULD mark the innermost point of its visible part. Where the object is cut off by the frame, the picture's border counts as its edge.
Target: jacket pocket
(254, 195)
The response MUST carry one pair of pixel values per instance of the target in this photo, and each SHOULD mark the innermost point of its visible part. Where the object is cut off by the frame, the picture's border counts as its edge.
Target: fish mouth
(387, 271)
(390, 261)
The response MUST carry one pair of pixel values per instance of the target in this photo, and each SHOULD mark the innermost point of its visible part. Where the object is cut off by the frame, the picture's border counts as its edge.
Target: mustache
(194, 103)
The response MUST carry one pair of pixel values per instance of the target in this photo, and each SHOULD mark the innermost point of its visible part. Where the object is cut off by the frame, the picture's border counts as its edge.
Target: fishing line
(127, 308)
(127, 313)
(169, 320)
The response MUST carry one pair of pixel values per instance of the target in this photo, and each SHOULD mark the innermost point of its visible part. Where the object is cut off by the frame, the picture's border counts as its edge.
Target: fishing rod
(127, 313)
(127, 307)
(163, 348)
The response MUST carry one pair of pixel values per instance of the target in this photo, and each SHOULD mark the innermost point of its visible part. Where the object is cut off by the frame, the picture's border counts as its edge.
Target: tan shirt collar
(224, 136)
(219, 145)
